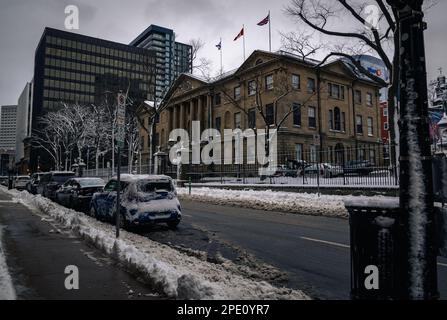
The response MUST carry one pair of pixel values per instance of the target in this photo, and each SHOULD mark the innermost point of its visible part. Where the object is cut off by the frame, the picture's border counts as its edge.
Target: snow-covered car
(20, 182)
(145, 200)
(51, 181)
(326, 170)
(77, 193)
(32, 184)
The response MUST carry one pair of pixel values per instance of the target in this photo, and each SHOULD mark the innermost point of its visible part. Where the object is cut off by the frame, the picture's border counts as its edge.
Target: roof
(138, 177)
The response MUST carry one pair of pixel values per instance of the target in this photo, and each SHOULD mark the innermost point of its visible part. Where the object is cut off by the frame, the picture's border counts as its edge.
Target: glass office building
(73, 68)
(172, 58)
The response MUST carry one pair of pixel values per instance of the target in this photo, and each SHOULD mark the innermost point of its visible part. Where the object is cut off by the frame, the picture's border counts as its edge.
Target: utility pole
(417, 278)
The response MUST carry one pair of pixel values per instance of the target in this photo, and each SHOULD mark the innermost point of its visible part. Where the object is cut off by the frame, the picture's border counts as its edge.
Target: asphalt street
(314, 251)
(37, 253)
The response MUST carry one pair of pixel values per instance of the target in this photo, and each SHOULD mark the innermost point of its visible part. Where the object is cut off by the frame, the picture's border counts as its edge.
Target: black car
(51, 181)
(32, 184)
(77, 193)
(360, 167)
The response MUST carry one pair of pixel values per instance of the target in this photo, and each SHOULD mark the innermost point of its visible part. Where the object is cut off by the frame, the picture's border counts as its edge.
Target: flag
(264, 21)
(219, 45)
(240, 34)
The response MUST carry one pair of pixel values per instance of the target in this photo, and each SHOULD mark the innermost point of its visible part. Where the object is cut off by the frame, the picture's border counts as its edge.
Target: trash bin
(373, 233)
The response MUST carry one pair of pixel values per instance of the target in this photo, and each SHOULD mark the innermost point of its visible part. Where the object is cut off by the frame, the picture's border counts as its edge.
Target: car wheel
(173, 224)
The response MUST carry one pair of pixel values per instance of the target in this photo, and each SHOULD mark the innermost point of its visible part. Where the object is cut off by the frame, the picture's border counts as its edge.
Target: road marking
(187, 215)
(326, 242)
(6, 201)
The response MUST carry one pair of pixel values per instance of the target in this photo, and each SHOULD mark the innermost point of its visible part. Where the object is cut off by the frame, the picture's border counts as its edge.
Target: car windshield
(61, 178)
(91, 182)
(153, 186)
(23, 178)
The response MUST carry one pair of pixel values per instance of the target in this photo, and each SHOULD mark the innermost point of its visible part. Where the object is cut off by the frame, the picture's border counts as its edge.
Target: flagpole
(243, 36)
(270, 32)
(221, 65)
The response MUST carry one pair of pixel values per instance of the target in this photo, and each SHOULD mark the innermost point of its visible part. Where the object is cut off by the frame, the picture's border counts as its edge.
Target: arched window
(337, 119)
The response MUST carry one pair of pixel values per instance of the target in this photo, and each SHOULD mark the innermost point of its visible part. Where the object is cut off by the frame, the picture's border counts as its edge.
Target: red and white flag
(240, 34)
(264, 21)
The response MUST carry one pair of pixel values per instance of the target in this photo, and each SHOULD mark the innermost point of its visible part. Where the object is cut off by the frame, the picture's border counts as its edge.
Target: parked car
(292, 168)
(145, 200)
(20, 182)
(77, 193)
(32, 184)
(4, 181)
(360, 167)
(327, 170)
(51, 181)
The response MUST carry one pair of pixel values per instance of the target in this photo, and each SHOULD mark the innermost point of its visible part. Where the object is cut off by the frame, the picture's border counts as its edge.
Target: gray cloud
(22, 23)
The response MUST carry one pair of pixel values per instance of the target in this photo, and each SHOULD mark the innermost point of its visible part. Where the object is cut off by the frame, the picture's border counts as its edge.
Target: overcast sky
(22, 23)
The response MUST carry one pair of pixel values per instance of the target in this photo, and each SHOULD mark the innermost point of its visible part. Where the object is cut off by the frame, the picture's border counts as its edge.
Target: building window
(359, 124)
(299, 151)
(296, 114)
(369, 99)
(237, 120)
(337, 119)
(385, 112)
(370, 126)
(358, 96)
(312, 117)
(295, 81)
(336, 91)
(237, 93)
(343, 122)
(270, 114)
(331, 120)
(218, 123)
(372, 156)
(217, 99)
(269, 82)
(385, 126)
(310, 85)
(252, 118)
(251, 88)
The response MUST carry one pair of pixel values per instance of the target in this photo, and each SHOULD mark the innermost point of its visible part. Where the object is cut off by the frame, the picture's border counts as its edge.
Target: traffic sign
(121, 119)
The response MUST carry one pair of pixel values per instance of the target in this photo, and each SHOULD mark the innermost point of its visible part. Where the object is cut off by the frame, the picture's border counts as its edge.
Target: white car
(20, 182)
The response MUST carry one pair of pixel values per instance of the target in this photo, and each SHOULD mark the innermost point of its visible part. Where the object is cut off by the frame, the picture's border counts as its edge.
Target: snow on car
(145, 200)
(20, 182)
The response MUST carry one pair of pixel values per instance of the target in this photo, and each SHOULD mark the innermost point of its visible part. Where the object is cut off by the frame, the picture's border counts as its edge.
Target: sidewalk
(37, 254)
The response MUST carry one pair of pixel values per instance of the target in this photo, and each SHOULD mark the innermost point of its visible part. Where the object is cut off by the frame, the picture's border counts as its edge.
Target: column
(200, 112)
(182, 116)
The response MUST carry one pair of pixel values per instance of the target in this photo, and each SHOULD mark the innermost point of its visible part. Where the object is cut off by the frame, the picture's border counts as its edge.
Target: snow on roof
(137, 177)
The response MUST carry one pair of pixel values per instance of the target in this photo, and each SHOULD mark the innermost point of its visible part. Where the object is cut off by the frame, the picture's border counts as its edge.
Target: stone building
(318, 110)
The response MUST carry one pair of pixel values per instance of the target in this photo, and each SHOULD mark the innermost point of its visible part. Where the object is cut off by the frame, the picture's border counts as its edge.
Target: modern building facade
(8, 128)
(327, 110)
(8, 125)
(172, 58)
(24, 123)
(76, 69)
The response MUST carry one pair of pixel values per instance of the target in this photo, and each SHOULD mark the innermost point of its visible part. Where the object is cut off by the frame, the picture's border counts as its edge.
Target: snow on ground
(7, 291)
(302, 203)
(174, 273)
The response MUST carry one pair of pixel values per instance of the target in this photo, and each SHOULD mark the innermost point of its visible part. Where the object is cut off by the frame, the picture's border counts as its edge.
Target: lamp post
(417, 254)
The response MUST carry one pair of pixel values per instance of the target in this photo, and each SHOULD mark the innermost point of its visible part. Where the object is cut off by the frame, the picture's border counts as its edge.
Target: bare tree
(200, 65)
(301, 43)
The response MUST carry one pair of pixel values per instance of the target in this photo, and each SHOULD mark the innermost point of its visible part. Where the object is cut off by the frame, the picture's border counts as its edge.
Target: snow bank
(174, 273)
(302, 203)
(7, 291)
